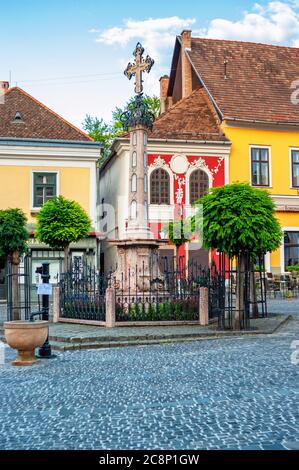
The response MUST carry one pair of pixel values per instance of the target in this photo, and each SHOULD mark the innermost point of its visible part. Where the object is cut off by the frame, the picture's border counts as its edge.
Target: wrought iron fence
(238, 290)
(18, 290)
(235, 294)
(173, 296)
(82, 292)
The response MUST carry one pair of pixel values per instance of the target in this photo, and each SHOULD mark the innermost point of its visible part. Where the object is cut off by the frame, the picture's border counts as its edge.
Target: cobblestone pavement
(237, 393)
(2, 313)
(290, 307)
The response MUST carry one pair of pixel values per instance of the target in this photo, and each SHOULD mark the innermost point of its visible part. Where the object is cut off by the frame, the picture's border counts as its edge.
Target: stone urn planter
(25, 336)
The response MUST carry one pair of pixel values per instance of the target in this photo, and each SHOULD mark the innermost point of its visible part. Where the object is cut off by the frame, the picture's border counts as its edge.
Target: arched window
(134, 138)
(133, 210)
(145, 182)
(134, 159)
(198, 185)
(160, 187)
(134, 183)
(145, 159)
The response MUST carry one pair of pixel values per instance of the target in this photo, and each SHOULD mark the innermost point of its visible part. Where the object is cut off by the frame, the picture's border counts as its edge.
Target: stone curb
(60, 343)
(76, 344)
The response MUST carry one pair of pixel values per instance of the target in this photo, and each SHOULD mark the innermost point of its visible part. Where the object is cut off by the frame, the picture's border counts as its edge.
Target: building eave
(155, 141)
(30, 142)
(229, 119)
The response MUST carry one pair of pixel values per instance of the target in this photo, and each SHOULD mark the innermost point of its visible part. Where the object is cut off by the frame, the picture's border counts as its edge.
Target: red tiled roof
(258, 80)
(38, 121)
(192, 118)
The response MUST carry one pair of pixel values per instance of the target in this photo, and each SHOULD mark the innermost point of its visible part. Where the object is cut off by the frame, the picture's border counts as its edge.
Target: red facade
(213, 166)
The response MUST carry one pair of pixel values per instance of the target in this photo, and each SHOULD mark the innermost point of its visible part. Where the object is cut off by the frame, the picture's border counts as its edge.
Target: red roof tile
(192, 118)
(259, 78)
(38, 121)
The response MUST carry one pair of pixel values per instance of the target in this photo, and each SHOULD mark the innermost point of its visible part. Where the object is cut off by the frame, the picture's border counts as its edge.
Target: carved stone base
(137, 265)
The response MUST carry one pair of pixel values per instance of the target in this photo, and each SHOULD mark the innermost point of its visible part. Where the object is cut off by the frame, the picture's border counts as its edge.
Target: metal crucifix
(141, 65)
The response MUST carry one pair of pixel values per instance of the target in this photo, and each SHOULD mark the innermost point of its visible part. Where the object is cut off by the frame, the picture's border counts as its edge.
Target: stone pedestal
(138, 266)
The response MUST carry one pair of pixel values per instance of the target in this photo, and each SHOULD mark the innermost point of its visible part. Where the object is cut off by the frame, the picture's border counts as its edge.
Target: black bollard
(45, 351)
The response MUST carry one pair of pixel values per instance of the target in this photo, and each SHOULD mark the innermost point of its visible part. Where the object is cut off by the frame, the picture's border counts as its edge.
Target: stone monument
(138, 250)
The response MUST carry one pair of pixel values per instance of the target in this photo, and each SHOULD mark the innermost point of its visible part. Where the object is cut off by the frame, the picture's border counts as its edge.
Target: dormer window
(18, 117)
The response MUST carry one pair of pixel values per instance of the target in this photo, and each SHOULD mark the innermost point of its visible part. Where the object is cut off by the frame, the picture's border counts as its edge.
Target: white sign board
(44, 289)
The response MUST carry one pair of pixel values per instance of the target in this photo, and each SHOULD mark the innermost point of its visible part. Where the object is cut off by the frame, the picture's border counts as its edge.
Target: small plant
(293, 269)
(289, 294)
(170, 310)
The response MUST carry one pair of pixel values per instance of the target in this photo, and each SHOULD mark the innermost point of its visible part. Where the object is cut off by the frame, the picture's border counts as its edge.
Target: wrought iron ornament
(138, 67)
(137, 114)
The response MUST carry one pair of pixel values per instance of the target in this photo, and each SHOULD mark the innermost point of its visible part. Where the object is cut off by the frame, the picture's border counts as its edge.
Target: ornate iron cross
(141, 65)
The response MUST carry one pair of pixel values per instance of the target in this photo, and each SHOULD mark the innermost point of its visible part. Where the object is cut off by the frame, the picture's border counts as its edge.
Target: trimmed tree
(61, 222)
(178, 233)
(239, 219)
(13, 244)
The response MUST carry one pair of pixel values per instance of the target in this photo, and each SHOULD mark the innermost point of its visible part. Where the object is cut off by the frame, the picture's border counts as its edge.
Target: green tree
(99, 131)
(178, 233)
(239, 219)
(13, 244)
(105, 133)
(61, 222)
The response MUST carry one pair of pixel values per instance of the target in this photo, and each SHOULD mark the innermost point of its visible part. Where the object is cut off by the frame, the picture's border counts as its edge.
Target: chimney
(186, 66)
(164, 82)
(4, 86)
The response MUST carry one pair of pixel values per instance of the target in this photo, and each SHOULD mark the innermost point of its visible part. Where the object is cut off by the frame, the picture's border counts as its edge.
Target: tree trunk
(66, 259)
(240, 304)
(176, 257)
(15, 261)
(253, 296)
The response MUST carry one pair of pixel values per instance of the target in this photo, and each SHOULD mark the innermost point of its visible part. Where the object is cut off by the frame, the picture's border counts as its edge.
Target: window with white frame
(44, 188)
(295, 168)
(198, 185)
(260, 166)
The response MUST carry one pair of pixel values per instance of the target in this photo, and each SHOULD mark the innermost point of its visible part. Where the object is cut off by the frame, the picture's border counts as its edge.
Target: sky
(71, 54)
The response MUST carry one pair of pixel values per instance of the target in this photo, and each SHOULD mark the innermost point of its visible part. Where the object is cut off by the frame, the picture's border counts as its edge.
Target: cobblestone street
(239, 393)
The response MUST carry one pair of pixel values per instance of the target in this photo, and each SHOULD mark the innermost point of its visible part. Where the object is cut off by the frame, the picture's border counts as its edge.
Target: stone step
(64, 346)
(110, 339)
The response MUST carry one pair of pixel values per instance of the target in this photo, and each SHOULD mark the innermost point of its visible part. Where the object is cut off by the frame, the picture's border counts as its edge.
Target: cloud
(275, 23)
(154, 33)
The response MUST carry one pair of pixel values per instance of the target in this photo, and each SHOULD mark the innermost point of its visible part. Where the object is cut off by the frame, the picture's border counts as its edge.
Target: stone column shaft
(138, 191)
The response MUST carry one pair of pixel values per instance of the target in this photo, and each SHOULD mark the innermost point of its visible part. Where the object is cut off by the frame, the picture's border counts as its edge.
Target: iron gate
(82, 292)
(19, 290)
(225, 291)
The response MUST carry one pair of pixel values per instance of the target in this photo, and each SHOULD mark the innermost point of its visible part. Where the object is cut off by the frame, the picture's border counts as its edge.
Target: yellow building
(253, 89)
(43, 156)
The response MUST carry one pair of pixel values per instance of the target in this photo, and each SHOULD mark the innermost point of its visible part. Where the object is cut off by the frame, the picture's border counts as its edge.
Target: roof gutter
(48, 142)
(256, 121)
(185, 141)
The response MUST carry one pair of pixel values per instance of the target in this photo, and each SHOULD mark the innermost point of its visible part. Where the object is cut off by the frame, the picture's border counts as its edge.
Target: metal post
(45, 351)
